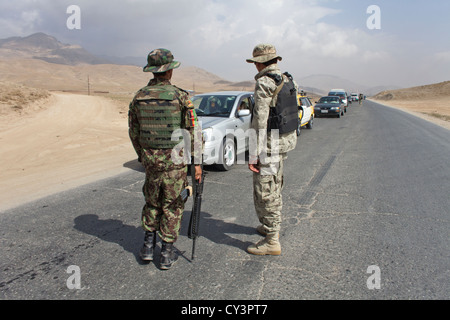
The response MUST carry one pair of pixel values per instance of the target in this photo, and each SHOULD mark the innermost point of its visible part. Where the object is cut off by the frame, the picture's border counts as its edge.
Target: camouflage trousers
(267, 187)
(164, 206)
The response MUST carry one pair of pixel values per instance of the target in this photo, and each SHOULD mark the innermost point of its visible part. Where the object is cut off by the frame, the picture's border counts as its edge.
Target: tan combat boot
(261, 230)
(270, 245)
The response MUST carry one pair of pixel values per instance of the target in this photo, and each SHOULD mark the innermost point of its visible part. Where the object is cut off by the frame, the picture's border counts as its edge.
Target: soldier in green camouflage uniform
(267, 171)
(157, 117)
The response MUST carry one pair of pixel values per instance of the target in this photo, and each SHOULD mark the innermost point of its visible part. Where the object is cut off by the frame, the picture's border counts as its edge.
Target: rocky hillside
(44, 47)
(41, 61)
(431, 91)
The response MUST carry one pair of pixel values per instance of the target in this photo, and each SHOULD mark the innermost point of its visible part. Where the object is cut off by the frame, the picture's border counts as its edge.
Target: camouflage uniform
(268, 183)
(165, 177)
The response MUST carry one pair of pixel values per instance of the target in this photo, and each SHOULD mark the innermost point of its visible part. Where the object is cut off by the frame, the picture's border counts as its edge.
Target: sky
(403, 43)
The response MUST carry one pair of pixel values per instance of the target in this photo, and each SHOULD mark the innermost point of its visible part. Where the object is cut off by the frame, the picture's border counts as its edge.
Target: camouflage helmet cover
(160, 60)
(264, 52)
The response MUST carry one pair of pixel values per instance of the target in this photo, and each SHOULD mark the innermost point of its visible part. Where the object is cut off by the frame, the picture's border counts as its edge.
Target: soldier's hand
(253, 167)
(198, 173)
(253, 164)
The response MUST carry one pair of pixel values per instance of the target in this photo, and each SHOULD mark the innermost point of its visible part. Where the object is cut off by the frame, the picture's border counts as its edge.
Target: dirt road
(74, 140)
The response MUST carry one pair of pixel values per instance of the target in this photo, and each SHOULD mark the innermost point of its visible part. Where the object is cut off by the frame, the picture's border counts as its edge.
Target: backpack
(284, 116)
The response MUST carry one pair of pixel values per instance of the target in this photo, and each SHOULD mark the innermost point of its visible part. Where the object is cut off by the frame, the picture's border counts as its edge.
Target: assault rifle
(196, 208)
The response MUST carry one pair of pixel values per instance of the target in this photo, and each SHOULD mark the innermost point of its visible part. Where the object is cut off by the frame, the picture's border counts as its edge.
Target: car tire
(299, 128)
(228, 154)
(310, 123)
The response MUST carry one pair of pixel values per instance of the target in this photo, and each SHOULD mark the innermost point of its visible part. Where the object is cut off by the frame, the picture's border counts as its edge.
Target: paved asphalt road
(369, 189)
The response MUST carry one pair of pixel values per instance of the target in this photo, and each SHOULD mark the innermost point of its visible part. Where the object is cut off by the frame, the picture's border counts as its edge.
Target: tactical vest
(284, 116)
(159, 115)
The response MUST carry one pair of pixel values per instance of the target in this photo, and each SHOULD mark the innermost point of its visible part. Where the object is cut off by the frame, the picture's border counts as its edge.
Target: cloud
(218, 35)
(18, 18)
(442, 57)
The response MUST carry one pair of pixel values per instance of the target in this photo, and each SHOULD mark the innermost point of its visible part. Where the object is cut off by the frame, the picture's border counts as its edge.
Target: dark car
(329, 106)
(342, 95)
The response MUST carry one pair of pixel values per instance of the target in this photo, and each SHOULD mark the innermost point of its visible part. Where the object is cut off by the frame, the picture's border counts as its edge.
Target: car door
(242, 124)
(306, 106)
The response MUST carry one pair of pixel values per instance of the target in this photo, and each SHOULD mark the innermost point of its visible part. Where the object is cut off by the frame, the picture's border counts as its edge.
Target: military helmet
(160, 60)
(264, 52)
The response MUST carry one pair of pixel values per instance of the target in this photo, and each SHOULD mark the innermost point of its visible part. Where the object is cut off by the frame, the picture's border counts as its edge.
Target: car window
(213, 105)
(244, 104)
(329, 100)
(305, 102)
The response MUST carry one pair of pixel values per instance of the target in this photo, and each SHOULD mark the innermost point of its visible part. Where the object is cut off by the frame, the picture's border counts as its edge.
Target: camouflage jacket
(167, 159)
(265, 99)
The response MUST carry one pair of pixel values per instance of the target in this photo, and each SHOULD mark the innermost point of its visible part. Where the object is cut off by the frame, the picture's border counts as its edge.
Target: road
(368, 189)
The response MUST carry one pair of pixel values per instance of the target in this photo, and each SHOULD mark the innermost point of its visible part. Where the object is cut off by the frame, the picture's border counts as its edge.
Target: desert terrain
(54, 136)
(430, 102)
(66, 125)
(59, 141)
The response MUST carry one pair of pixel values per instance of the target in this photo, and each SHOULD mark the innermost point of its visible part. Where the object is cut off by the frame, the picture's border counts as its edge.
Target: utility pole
(89, 87)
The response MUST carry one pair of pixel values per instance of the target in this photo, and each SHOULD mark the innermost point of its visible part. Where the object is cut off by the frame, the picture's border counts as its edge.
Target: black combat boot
(168, 255)
(147, 250)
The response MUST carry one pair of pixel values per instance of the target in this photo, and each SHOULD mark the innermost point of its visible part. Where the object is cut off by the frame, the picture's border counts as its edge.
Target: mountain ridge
(44, 47)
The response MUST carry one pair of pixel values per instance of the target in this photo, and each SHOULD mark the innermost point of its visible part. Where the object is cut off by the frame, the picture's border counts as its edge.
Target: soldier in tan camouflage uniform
(267, 171)
(158, 112)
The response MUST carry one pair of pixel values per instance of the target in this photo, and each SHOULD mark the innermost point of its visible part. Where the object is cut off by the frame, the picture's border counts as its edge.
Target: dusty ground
(60, 142)
(52, 142)
(431, 102)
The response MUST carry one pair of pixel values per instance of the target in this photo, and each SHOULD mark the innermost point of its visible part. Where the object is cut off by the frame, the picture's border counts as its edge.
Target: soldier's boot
(262, 230)
(270, 245)
(168, 255)
(147, 250)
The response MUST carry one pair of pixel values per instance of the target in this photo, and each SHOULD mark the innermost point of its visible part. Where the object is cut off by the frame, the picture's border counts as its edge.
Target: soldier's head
(264, 55)
(161, 63)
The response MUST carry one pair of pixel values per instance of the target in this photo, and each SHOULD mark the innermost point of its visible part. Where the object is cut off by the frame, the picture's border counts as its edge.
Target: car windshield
(329, 100)
(213, 105)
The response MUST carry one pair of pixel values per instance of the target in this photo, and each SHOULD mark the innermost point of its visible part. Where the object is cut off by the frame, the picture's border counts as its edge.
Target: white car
(355, 97)
(225, 118)
(305, 113)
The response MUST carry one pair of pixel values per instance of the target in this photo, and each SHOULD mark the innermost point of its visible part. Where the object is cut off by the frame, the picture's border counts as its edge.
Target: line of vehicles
(335, 103)
(225, 117)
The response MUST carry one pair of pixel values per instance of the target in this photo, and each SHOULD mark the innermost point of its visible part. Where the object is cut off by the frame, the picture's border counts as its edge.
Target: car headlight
(207, 134)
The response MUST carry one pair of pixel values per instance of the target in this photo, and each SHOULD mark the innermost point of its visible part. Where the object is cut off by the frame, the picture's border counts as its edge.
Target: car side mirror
(243, 113)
